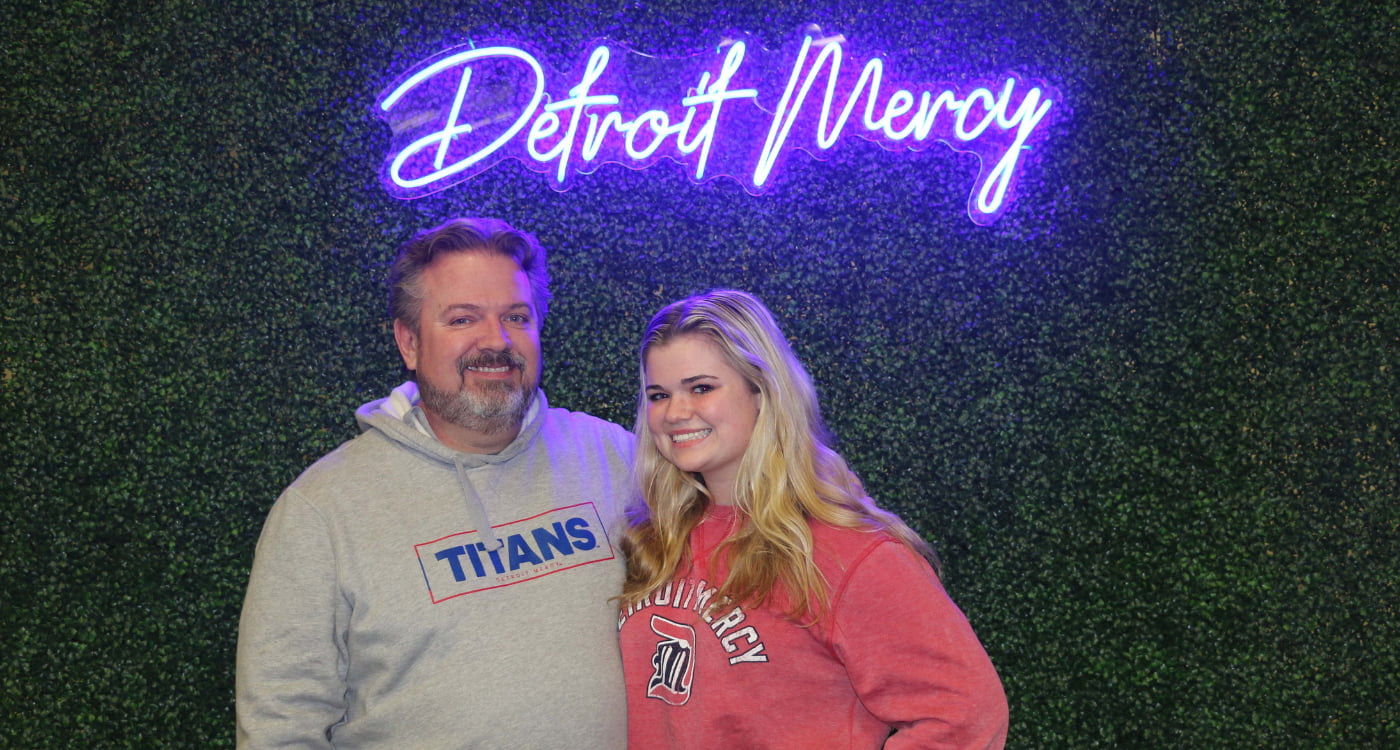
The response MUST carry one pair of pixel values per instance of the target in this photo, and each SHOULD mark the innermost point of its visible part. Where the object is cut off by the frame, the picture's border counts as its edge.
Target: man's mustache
(491, 358)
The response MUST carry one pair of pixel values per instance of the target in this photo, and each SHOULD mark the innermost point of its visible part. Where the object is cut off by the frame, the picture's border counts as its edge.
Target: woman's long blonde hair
(788, 473)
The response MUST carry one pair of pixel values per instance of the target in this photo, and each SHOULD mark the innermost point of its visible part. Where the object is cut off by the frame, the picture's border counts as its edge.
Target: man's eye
(459, 321)
(518, 319)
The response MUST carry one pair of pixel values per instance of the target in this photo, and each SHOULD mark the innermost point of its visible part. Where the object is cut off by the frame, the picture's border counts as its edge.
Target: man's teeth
(488, 369)
(690, 436)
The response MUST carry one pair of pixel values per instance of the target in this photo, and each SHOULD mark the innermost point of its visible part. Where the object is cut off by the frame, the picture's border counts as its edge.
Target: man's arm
(291, 661)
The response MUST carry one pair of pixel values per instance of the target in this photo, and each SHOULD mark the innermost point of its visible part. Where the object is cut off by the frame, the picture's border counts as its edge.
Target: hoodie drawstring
(476, 510)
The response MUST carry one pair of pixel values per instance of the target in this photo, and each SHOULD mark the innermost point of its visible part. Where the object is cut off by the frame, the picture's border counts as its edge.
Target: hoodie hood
(400, 418)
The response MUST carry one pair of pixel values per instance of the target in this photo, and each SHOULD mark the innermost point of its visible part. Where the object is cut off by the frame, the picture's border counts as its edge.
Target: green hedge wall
(1149, 417)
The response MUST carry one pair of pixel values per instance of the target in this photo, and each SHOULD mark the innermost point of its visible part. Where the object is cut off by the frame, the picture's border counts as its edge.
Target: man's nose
(496, 336)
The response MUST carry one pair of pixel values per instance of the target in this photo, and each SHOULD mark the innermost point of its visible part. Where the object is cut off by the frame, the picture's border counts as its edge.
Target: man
(443, 580)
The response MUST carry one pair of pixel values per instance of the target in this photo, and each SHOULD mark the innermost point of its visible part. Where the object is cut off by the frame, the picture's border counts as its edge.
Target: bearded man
(443, 579)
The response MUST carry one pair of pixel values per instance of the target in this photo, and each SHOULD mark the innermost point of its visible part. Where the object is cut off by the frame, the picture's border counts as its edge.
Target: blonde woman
(769, 602)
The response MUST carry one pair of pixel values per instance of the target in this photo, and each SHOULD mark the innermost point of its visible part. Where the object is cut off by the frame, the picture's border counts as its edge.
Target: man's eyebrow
(472, 307)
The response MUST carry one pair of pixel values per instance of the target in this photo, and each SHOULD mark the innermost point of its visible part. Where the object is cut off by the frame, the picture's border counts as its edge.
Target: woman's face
(701, 412)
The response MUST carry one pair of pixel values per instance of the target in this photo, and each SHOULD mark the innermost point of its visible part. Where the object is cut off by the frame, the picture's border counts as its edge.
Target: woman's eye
(655, 396)
(703, 388)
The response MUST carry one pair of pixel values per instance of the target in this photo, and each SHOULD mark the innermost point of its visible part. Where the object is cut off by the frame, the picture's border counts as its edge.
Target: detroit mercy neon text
(460, 113)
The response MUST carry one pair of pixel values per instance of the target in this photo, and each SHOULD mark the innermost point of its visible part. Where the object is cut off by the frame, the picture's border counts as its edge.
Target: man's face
(476, 353)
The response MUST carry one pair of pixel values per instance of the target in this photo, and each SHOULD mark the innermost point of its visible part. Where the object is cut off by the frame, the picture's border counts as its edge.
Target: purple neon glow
(733, 112)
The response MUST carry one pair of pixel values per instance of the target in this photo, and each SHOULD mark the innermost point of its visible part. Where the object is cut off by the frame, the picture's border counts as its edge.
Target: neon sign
(738, 112)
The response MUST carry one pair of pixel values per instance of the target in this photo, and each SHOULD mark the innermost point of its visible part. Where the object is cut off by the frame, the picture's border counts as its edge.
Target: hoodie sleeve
(290, 675)
(913, 658)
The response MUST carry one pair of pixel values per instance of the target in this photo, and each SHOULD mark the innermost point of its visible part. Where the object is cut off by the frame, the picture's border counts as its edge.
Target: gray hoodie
(407, 595)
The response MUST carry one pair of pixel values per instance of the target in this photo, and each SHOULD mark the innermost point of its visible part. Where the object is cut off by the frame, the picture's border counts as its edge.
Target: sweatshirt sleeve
(912, 656)
(290, 679)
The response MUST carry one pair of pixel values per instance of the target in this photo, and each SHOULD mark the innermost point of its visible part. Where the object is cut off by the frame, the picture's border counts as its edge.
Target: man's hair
(464, 235)
(788, 474)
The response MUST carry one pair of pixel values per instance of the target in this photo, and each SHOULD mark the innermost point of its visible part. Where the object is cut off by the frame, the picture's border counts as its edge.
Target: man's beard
(492, 407)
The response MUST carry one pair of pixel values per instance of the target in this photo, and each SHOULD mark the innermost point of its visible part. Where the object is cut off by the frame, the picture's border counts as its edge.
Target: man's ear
(408, 344)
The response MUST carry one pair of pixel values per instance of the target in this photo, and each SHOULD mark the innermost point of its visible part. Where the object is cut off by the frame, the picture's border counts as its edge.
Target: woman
(769, 603)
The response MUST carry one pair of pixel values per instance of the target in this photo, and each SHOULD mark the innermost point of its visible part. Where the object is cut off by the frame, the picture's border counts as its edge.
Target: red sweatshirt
(893, 653)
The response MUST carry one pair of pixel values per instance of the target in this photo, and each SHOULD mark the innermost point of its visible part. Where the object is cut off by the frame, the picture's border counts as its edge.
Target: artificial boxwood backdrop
(1148, 417)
